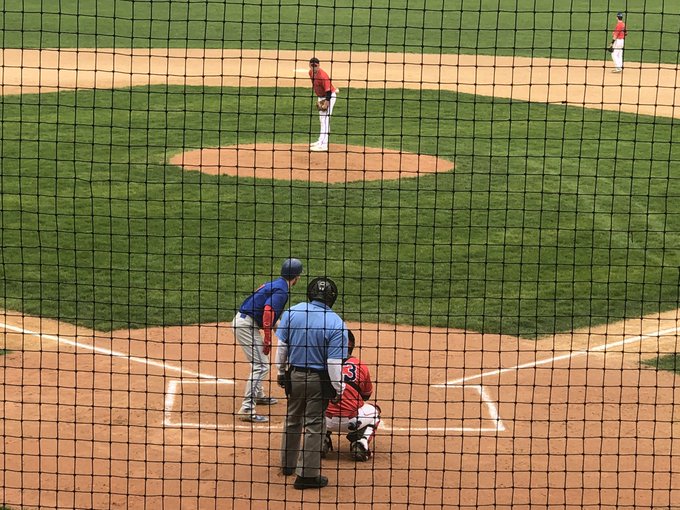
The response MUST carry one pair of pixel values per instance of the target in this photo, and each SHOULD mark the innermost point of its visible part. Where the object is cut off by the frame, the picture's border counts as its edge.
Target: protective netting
(492, 192)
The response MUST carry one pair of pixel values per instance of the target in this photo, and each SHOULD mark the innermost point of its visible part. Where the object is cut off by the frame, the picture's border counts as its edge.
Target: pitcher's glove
(610, 49)
(322, 105)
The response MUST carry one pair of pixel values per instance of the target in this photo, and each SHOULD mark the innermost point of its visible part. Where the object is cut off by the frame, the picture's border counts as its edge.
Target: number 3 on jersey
(349, 372)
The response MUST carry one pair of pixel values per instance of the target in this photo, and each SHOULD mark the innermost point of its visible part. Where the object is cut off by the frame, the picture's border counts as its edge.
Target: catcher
(351, 414)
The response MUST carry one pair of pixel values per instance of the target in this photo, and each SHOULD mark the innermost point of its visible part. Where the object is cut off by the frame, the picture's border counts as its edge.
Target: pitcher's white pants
(325, 120)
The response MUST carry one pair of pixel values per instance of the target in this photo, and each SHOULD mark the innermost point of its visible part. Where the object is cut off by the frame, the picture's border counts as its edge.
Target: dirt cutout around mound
(342, 163)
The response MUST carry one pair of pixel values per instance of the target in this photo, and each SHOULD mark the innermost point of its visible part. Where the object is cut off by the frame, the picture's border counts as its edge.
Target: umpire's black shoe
(287, 471)
(310, 482)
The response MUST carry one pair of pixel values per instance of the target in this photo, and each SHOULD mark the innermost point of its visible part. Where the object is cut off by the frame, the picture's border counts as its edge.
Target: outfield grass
(574, 29)
(548, 223)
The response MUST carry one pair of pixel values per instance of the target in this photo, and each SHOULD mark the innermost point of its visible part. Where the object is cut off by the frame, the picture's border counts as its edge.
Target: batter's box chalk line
(175, 385)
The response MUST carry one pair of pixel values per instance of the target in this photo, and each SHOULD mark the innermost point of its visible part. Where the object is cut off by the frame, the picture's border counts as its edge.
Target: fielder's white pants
(325, 120)
(366, 421)
(617, 54)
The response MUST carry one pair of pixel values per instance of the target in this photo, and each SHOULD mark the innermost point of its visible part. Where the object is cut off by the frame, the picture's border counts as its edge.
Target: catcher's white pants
(617, 54)
(325, 121)
(366, 421)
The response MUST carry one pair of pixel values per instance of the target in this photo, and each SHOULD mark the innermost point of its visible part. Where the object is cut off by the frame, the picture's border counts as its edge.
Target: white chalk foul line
(114, 354)
(553, 359)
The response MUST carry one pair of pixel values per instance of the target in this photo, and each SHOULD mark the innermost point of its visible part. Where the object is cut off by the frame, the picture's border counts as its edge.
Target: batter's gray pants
(307, 408)
(248, 336)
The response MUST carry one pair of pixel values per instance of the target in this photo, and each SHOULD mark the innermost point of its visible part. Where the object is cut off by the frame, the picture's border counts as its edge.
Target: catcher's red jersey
(358, 388)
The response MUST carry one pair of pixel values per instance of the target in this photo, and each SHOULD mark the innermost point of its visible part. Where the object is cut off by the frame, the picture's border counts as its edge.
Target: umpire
(313, 343)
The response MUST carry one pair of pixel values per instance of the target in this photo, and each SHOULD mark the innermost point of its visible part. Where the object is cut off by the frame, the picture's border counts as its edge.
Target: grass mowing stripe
(546, 224)
(579, 29)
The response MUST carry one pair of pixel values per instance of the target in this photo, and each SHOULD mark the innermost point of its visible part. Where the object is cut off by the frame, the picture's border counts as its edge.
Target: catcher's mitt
(322, 105)
(610, 49)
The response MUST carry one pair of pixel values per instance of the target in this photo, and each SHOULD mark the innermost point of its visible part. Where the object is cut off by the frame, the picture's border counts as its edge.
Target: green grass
(574, 29)
(670, 362)
(561, 218)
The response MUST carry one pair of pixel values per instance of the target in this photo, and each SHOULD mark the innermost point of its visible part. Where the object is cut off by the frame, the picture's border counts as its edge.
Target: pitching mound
(342, 163)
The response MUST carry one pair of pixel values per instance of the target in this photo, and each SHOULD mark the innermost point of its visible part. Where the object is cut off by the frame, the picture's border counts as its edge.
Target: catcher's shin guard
(327, 445)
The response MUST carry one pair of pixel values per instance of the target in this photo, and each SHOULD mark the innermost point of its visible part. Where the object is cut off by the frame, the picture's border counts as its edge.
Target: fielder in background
(260, 311)
(313, 343)
(616, 46)
(352, 414)
(326, 95)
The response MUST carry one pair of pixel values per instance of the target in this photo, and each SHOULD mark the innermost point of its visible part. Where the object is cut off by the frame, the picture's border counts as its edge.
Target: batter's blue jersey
(314, 333)
(274, 294)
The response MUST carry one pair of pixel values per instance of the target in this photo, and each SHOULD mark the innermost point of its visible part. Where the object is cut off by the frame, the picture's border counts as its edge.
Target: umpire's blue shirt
(314, 333)
(274, 294)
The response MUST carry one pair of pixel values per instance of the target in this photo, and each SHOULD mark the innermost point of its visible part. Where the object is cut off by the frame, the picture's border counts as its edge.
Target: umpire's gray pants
(307, 408)
(248, 336)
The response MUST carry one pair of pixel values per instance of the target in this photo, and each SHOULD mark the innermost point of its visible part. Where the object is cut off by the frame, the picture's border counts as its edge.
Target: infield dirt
(89, 421)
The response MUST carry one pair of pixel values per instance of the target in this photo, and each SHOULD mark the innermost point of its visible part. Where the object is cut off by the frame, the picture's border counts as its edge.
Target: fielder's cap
(314, 61)
(619, 15)
(291, 268)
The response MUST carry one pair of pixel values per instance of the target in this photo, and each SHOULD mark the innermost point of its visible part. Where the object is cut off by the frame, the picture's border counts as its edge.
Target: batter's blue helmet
(291, 268)
(619, 15)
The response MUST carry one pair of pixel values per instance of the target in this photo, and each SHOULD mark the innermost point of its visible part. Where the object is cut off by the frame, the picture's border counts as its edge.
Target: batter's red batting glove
(266, 349)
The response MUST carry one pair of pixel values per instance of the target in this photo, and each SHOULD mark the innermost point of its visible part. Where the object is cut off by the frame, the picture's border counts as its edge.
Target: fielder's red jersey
(321, 82)
(358, 388)
(620, 31)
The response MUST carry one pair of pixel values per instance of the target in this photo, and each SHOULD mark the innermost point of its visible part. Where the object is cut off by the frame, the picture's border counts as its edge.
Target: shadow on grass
(670, 362)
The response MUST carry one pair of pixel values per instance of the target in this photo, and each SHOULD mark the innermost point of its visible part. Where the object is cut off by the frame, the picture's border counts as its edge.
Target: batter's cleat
(314, 144)
(266, 401)
(327, 446)
(359, 452)
(617, 70)
(253, 418)
(319, 148)
(310, 482)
